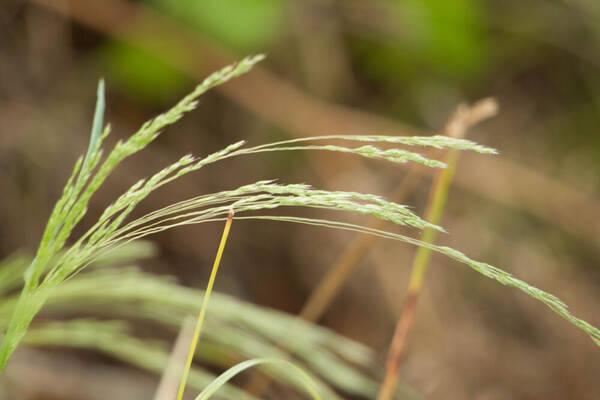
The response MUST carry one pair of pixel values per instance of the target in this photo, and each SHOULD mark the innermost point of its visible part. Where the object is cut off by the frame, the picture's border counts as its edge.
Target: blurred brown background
(379, 67)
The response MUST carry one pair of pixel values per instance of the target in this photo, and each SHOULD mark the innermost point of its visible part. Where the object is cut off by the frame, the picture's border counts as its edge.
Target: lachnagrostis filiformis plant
(60, 255)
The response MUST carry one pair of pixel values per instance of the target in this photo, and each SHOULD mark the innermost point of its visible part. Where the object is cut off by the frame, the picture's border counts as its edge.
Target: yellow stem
(198, 328)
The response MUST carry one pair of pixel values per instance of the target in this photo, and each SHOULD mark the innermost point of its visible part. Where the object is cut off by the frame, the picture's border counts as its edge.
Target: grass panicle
(55, 261)
(497, 274)
(72, 205)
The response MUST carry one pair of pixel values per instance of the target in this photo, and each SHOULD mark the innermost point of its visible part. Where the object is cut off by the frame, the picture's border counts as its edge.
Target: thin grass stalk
(202, 314)
(457, 128)
(417, 276)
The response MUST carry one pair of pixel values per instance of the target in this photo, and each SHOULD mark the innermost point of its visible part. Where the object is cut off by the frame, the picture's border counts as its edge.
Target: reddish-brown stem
(397, 346)
(464, 118)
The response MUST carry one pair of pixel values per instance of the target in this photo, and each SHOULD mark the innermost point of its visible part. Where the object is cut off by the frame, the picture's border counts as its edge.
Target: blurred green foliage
(138, 73)
(245, 25)
(433, 36)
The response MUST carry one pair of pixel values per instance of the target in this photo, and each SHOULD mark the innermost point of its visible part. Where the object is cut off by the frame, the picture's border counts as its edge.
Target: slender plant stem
(417, 276)
(434, 211)
(457, 127)
(200, 321)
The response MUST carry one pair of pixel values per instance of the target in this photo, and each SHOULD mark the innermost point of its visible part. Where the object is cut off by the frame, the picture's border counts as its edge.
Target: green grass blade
(113, 338)
(308, 384)
(97, 123)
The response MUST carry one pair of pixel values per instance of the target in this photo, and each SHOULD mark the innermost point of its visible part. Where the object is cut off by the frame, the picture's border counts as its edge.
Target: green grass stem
(456, 128)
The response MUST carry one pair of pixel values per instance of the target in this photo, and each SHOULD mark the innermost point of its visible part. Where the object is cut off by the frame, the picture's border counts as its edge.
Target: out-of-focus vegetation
(337, 67)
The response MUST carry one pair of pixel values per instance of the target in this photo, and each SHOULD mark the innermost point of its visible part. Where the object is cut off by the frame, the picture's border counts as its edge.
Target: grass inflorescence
(60, 256)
